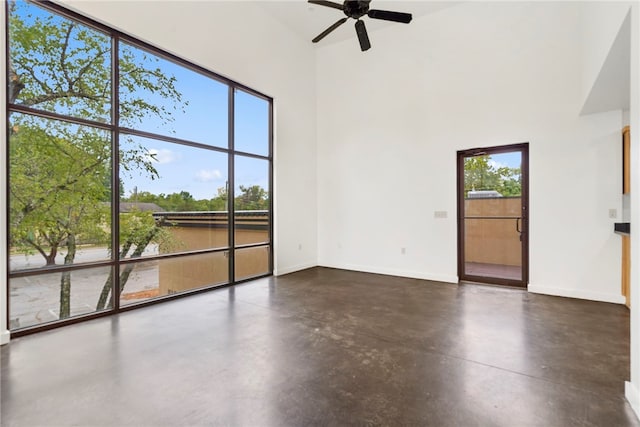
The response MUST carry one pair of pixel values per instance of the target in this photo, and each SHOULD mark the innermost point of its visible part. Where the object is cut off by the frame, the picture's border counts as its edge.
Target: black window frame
(116, 130)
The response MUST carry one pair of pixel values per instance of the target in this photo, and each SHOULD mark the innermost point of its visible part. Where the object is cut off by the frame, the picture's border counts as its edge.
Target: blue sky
(511, 160)
(203, 118)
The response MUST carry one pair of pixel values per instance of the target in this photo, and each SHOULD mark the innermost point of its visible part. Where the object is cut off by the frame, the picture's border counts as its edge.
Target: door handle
(518, 229)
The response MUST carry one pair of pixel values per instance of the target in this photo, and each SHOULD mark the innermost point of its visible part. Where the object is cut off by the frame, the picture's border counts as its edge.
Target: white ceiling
(611, 90)
(308, 20)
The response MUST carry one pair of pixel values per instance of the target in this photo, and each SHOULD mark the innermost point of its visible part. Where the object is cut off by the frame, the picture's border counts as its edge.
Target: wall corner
(632, 387)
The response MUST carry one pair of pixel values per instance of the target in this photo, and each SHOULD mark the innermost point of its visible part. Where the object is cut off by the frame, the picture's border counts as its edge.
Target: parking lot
(35, 299)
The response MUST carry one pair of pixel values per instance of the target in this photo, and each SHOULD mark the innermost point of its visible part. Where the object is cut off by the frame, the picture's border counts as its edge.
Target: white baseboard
(4, 337)
(577, 293)
(633, 396)
(394, 272)
(287, 270)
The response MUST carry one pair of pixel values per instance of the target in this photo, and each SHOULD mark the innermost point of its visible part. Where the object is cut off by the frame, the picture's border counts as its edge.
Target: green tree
(143, 197)
(481, 174)
(252, 198)
(221, 201)
(137, 230)
(48, 198)
(58, 171)
(182, 201)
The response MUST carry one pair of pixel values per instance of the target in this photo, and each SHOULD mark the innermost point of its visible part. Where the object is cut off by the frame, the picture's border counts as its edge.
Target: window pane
(251, 124)
(159, 96)
(252, 227)
(58, 65)
(59, 193)
(49, 297)
(251, 262)
(145, 280)
(493, 216)
(173, 198)
(251, 200)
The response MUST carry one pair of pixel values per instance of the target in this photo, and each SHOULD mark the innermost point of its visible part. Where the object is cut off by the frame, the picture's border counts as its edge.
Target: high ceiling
(308, 20)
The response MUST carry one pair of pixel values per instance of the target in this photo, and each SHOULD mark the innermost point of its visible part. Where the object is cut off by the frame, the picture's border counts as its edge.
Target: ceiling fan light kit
(356, 9)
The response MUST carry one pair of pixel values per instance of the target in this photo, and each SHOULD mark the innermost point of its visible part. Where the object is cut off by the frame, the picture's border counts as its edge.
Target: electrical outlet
(403, 251)
(613, 213)
(440, 214)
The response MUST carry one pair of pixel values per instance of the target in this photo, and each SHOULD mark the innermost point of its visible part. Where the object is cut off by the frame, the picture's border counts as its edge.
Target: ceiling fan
(356, 9)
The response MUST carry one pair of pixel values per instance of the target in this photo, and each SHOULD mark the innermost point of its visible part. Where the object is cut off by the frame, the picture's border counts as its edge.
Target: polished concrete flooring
(330, 347)
(511, 272)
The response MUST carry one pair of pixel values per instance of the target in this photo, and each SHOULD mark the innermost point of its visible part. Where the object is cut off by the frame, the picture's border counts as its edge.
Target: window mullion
(231, 187)
(115, 172)
(127, 137)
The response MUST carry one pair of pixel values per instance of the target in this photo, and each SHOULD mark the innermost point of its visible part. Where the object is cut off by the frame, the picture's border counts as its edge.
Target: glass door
(492, 215)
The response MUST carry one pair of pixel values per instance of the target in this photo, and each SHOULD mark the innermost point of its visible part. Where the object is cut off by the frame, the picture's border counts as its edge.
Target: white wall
(479, 74)
(240, 41)
(600, 24)
(632, 389)
(389, 123)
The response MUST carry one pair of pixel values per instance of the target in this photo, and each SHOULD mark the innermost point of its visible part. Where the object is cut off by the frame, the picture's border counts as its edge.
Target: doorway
(493, 220)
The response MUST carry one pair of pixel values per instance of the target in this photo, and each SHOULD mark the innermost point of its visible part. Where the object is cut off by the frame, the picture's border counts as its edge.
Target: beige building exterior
(194, 231)
(495, 240)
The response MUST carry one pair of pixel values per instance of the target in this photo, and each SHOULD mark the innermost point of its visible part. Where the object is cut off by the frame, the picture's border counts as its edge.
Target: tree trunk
(126, 272)
(15, 84)
(106, 289)
(50, 258)
(65, 280)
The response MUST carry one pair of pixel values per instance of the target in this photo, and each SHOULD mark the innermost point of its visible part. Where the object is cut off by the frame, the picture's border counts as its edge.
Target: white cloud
(208, 175)
(163, 156)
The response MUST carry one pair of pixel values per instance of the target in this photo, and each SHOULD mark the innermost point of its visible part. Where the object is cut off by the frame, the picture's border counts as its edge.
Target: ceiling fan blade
(327, 3)
(361, 30)
(388, 15)
(328, 30)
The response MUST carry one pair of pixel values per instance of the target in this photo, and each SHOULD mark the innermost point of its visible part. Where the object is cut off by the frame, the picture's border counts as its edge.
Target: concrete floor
(330, 347)
(511, 272)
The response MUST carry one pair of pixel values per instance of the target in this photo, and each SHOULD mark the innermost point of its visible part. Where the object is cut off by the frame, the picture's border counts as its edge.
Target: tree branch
(35, 246)
(59, 95)
(28, 208)
(86, 68)
(45, 88)
(63, 55)
(15, 85)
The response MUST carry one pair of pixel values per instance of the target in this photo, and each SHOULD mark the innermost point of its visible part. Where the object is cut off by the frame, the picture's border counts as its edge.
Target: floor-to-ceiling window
(133, 175)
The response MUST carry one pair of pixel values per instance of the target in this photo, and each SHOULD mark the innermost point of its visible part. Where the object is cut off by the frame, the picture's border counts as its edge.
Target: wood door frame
(523, 148)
